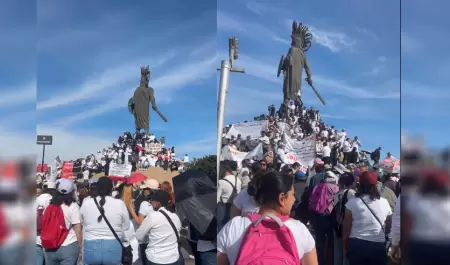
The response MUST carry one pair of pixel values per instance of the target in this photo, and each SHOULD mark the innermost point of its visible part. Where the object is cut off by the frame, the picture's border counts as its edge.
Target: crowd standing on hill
(106, 221)
(341, 210)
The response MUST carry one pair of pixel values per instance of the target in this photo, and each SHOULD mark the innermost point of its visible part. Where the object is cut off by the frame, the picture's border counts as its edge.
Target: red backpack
(53, 229)
(268, 241)
(4, 227)
(39, 215)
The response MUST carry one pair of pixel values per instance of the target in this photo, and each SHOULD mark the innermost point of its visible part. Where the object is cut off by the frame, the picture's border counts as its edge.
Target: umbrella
(389, 165)
(196, 198)
(136, 178)
(116, 178)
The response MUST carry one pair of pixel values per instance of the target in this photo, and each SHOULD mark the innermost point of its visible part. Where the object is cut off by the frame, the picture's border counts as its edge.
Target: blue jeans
(363, 252)
(102, 252)
(207, 258)
(40, 256)
(66, 255)
(324, 236)
(12, 254)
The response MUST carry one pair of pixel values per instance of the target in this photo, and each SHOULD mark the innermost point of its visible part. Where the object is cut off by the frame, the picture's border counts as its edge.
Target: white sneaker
(191, 257)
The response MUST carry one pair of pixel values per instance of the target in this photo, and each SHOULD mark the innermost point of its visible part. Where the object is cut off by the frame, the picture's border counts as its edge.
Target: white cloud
(389, 90)
(17, 144)
(18, 95)
(70, 144)
(91, 88)
(226, 22)
(206, 145)
(334, 40)
(165, 88)
(424, 92)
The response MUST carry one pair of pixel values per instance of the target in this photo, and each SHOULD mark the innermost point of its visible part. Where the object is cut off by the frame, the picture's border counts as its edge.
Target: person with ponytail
(100, 246)
(69, 251)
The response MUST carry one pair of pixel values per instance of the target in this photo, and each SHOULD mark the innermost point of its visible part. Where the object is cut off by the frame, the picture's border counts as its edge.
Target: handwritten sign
(245, 129)
(153, 148)
(119, 170)
(304, 151)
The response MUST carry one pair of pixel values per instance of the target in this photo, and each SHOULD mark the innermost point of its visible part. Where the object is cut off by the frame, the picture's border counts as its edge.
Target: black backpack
(337, 215)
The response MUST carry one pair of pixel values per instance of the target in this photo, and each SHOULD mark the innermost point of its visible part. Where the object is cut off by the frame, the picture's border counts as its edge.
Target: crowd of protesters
(342, 210)
(110, 222)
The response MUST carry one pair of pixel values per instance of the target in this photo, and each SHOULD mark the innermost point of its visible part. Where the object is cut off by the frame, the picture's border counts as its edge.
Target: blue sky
(425, 71)
(88, 59)
(355, 62)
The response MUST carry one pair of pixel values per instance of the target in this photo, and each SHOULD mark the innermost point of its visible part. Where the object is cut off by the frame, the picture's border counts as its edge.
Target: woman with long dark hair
(366, 223)
(69, 251)
(100, 246)
(274, 193)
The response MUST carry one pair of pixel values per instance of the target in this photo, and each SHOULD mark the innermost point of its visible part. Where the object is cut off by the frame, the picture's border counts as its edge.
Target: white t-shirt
(86, 174)
(230, 237)
(423, 209)
(116, 212)
(347, 147)
(163, 245)
(225, 189)
(245, 203)
(145, 208)
(17, 218)
(43, 201)
(364, 225)
(356, 144)
(326, 151)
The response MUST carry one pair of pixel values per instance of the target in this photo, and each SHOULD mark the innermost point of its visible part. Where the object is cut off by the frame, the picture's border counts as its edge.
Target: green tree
(207, 164)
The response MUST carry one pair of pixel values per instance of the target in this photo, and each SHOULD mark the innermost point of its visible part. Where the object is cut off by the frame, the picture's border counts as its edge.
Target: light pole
(226, 67)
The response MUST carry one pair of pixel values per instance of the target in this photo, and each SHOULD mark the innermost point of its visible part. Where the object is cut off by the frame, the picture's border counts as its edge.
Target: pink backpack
(268, 241)
(322, 198)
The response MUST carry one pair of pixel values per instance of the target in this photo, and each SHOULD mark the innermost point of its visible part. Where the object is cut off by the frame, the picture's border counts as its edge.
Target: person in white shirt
(100, 246)
(163, 246)
(346, 149)
(364, 225)
(275, 195)
(326, 153)
(395, 253)
(186, 158)
(227, 189)
(69, 251)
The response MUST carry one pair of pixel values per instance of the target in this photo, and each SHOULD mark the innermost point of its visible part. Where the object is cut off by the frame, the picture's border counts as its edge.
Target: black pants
(346, 157)
(363, 252)
(424, 253)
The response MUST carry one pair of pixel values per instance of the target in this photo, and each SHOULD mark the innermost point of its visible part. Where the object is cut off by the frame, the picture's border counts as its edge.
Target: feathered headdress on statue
(302, 32)
(145, 75)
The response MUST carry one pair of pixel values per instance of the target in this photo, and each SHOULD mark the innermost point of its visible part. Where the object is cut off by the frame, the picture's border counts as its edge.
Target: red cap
(437, 177)
(368, 177)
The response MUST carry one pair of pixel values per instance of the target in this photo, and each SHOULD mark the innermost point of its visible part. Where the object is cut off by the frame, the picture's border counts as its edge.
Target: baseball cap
(368, 177)
(150, 184)
(64, 186)
(162, 197)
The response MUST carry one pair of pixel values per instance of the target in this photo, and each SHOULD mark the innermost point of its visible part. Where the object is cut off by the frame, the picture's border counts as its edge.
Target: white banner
(229, 153)
(253, 128)
(153, 148)
(119, 170)
(303, 151)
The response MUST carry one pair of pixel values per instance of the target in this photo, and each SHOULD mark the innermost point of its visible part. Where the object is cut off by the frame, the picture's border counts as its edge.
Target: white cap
(65, 186)
(150, 184)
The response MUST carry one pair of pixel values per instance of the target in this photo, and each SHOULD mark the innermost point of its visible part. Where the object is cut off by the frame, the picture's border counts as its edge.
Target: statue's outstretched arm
(151, 97)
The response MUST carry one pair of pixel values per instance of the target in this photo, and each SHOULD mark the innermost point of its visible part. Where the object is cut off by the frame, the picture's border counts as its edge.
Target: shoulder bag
(174, 230)
(387, 240)
(127, 252)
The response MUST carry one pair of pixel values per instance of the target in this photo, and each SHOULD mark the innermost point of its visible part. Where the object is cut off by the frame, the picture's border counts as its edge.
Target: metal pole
(223, 89)
(43, 156)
